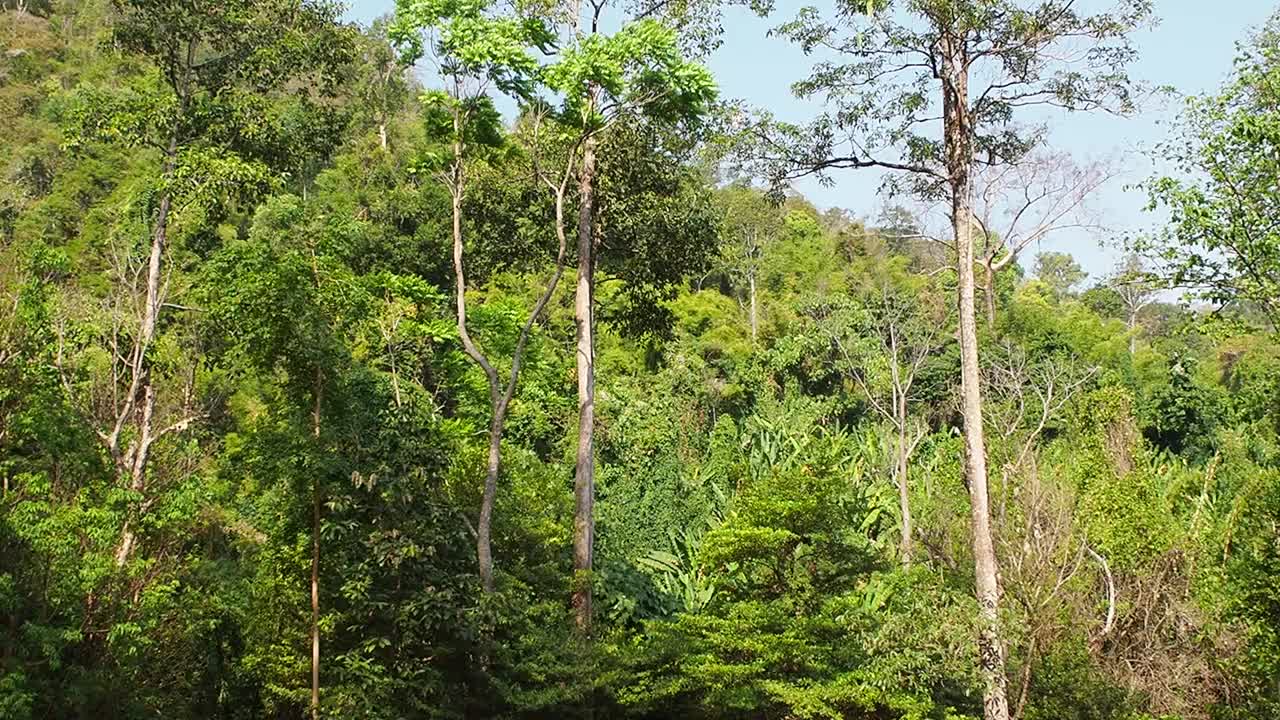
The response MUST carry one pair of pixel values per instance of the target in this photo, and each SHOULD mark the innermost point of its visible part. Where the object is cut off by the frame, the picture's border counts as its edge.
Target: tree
(638, 70)
(1221, 242)
(882, 344)
(253, 278)
(382, 88)
(1028, 396)
(346, 432)
(904, 233)
(751, 223)
(914, 66)
(1024, 203)
(216, 69)
(476, 49)
(1136, 289)
(1059, 271)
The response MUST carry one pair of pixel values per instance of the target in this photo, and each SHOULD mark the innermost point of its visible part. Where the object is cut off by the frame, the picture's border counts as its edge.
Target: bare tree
(1018, 205)
(1045, 551)
(1136, 289)
(1030, 395)
(130, 407)
(905, 337)
(383, 88)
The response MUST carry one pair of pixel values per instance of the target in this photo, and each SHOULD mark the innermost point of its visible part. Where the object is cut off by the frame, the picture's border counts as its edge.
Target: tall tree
(299, 323)
(637, 71)
(474, 48)
(1135, 287)
(929, 90)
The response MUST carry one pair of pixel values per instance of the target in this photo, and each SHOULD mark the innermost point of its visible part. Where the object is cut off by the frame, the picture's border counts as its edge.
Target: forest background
(528, 385)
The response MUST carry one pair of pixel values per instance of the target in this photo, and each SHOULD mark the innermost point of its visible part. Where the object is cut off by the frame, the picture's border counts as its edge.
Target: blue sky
(1190, 49)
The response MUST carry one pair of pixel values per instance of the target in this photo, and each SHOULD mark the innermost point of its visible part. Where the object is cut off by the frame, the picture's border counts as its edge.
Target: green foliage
(800, 619)
(1220, 241)
(656, 224)
(881, 83)
(639, 67)
(1122, 506)
(471, 40)
(1182, 414)
(1059, 271)
(747, 519)
(1253, 573)
(1068, 686)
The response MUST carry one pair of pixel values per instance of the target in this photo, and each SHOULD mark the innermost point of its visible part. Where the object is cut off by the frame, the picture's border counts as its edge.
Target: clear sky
(1190, 49)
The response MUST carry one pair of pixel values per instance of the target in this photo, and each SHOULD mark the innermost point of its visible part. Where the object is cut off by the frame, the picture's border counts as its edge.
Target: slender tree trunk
(1132, 324)
(484, 523)
(990, 294)
(1027, 667)
(959, 151)
(500, 395)
(315, 599)
(484, 526)
(141, 370)
(904, 497)
(318, 392)
(584, 472)
(497, 403)
(751, 285)
(484, 531)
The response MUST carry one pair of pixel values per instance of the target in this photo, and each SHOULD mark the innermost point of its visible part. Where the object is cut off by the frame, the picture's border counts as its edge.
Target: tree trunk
(484, 526)
(1028, 664)
(1133, 325)
(500, 395)
(584, 474)
(484, 523)
(141, 370)
(751, 285)
(315, 599)
(958, 140)
(318, 392)
(990, 294)
(497, 404)
(904, 498)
